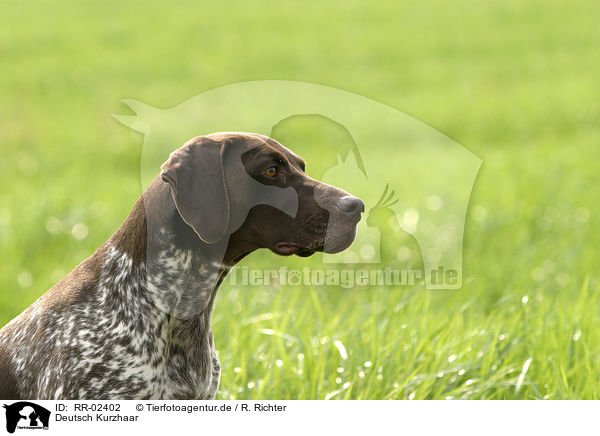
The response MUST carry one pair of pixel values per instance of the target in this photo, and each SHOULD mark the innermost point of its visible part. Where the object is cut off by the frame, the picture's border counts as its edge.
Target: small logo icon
(26, 415)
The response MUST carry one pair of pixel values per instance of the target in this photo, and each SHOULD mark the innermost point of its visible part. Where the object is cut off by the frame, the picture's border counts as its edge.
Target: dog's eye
(271, 172)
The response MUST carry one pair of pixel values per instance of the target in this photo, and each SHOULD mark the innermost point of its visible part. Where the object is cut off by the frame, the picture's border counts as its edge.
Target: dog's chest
(109, 362)
(162, 355)
(120, 345)
(164, 365)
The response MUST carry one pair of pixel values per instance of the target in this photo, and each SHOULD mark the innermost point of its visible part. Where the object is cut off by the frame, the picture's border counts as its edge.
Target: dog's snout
(350, 204)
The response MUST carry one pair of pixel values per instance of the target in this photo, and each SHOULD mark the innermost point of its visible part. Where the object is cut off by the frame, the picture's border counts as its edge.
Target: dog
(133, 320)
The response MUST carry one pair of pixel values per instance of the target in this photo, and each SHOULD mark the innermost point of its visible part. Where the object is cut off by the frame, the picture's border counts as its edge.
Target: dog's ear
(197, 178)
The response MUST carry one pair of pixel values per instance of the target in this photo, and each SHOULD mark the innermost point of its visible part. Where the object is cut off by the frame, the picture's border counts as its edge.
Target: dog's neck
(180, 272)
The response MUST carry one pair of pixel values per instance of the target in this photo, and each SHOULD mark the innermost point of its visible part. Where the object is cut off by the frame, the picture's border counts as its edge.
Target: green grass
(514, 82)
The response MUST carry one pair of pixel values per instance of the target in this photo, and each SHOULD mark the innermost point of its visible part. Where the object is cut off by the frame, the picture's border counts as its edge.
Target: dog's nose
(350, 204)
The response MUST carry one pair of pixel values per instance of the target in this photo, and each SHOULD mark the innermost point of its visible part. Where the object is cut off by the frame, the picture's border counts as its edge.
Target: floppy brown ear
(197, 178)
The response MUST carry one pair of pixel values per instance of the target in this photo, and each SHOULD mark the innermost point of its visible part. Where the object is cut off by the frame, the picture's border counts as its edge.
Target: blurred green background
(514, 82)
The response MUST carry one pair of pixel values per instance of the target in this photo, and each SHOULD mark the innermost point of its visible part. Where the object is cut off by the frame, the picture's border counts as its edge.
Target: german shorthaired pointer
(133, 320)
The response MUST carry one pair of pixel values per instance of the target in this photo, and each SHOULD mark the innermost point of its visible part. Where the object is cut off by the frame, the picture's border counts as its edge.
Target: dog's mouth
(331, 244)
(289, 248)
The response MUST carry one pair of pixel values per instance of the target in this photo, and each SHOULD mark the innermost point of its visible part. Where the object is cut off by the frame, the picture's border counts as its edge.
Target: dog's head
(253, 190)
